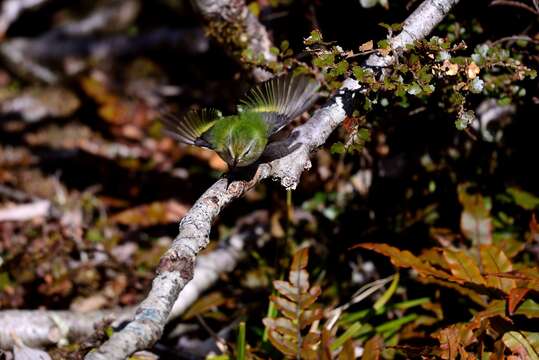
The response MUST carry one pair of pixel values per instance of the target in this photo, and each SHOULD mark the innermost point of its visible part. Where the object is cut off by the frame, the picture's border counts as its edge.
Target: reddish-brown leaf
(284, 345)
(287, 289)
(309, 298)
(373, 348)
(307, 317)
(515, 297)
(308, 354)
(300, 259)
(282, 325)
(309, 346)
(405, 259)
(288, 308)
(348, 351)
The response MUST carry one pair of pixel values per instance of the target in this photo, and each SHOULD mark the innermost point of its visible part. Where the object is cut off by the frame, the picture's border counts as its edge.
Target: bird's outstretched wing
(280, 100)
(192, 126)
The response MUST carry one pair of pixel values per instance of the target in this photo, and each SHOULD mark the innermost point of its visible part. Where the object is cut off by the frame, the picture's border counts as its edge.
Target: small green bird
(241, 139)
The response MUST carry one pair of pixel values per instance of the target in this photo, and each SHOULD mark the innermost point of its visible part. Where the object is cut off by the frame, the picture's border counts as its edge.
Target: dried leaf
(405, 259)
(454, 339)
(300, 279)
(515, 297)
(308, 353)
(311, 339)
(367, 46)
(450, 68)
(205, 304)
(288, 308)
(283, 345)
(475, 220)
(472, 71)
(463, 266)
(156, 213)
(286, 289)
(300, 259)
(309, 298)
(307, 317)
(282, 325)
(494, 261)
(373, 348)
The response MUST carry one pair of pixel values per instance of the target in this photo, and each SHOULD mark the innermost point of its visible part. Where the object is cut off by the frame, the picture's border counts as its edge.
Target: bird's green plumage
(238, 139)
(241, 139)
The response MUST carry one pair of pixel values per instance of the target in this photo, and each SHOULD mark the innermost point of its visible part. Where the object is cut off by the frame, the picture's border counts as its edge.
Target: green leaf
(383, 44)
(314, 38)
(324, 60)
(241, 345)
(388, 293)
(348, 334)
(338, 148)
(523, 198)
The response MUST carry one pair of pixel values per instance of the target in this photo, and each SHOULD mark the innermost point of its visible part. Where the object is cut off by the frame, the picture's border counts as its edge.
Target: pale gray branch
(417, 26)
(176, 266)
(11, 9)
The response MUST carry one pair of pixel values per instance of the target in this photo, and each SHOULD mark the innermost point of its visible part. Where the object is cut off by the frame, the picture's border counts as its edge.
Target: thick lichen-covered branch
(176, 267)
(238, 30)
(417, 26)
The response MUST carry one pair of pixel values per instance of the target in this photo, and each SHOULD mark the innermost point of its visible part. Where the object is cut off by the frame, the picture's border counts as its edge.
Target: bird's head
(242, 143)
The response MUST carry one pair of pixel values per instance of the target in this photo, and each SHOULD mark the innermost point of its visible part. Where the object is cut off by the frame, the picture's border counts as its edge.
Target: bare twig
(515, 38)
(176, 267)
(516, 4)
